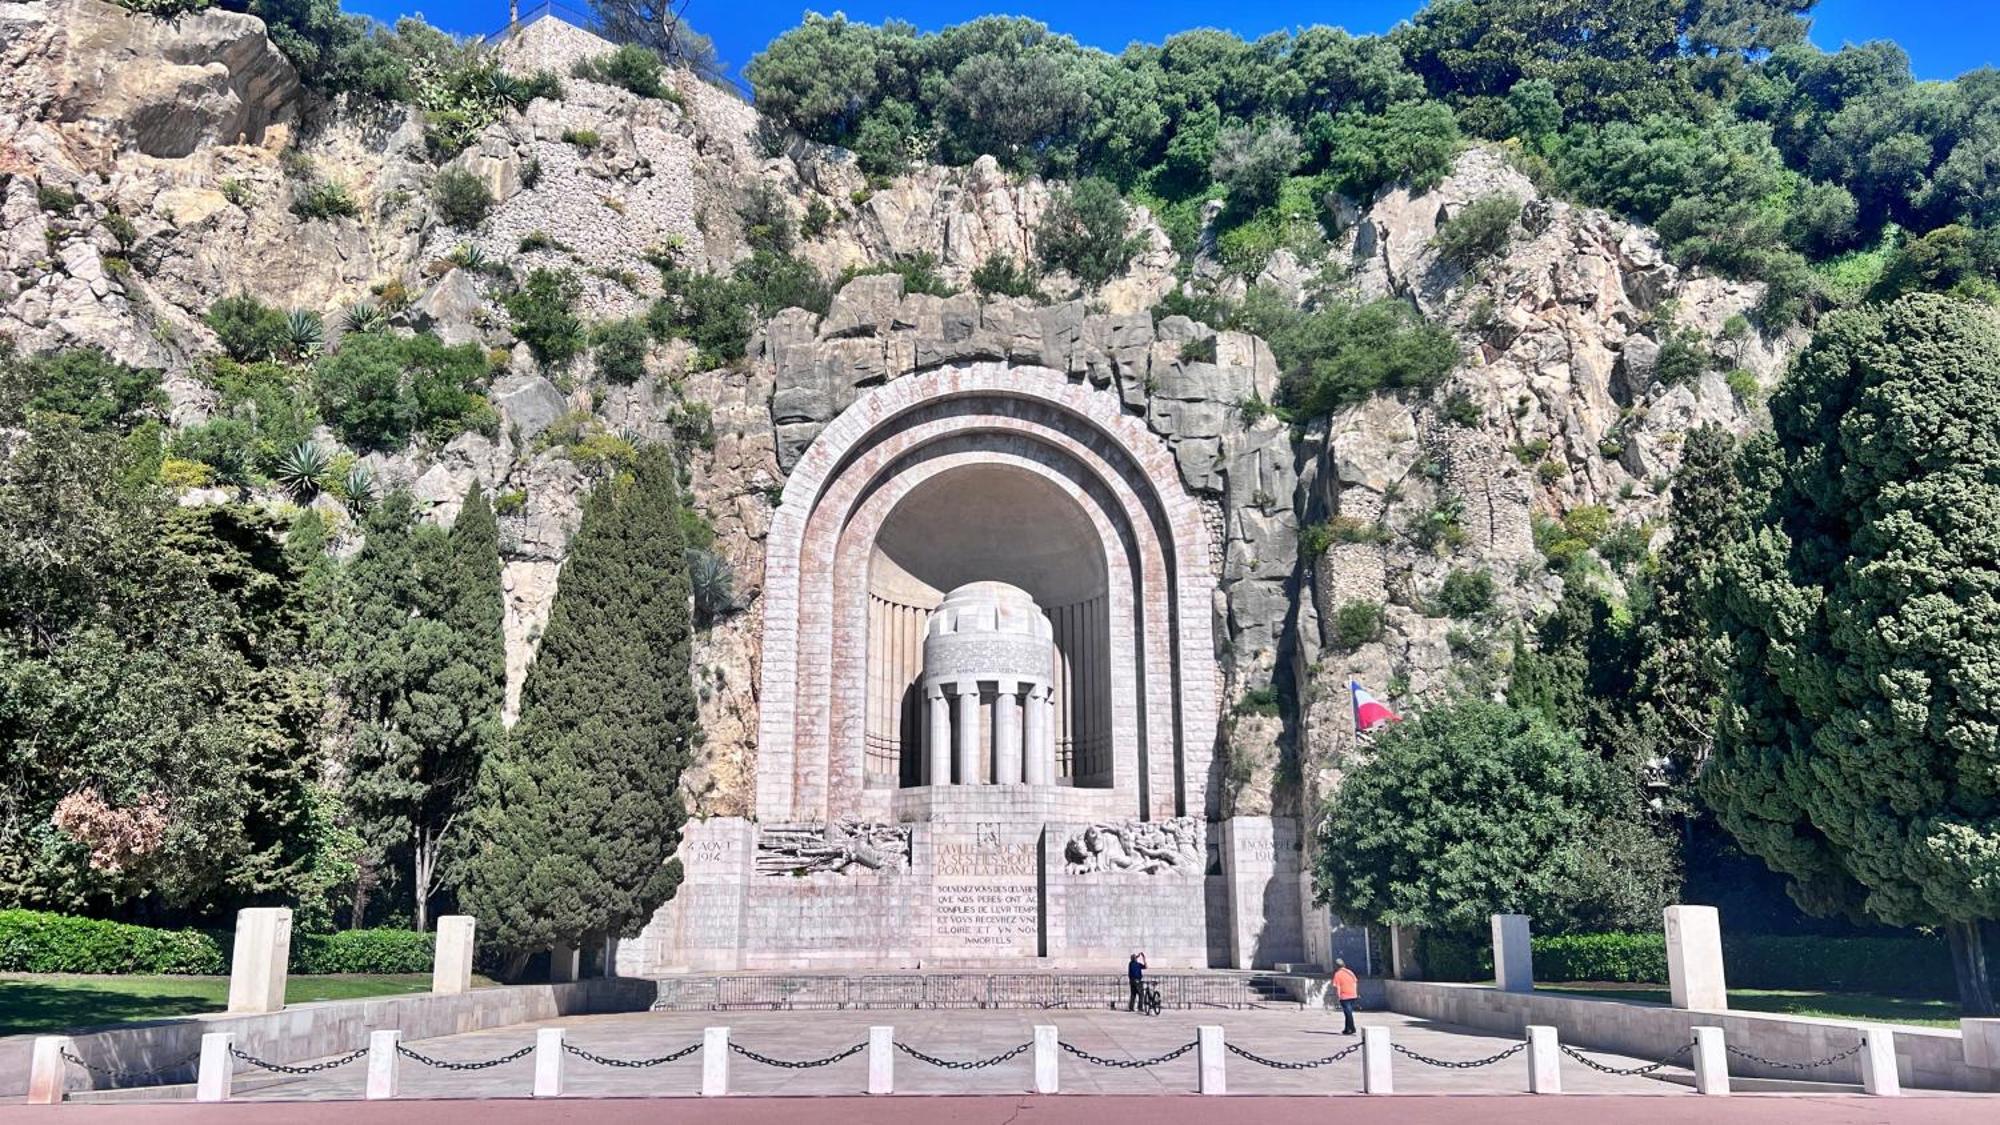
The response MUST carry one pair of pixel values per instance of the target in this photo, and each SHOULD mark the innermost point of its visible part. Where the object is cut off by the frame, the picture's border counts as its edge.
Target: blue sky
(1943, 37)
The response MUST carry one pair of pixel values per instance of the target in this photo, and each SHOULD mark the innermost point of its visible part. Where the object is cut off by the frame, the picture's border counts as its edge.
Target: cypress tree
(580, 816)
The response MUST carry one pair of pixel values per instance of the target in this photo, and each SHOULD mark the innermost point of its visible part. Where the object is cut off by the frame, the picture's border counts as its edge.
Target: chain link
(315, 1068)
(1469, 1064)
(447, 1064)
(1632, 1072)
(1129, 1064)
(1813, 1065)
(801, 1064)
(1280, 1064)
(970, 1064)
(631, 1064)
(117, 1075)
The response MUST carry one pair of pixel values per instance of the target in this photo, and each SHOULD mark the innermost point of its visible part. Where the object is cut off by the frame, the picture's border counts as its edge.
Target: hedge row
(35, 942)
(1914, 966)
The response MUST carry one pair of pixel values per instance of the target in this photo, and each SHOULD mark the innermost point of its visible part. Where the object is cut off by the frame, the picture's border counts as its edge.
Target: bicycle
(1149, 1000)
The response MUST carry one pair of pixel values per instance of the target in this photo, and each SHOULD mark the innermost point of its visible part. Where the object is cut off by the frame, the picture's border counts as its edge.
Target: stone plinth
(1513, 955)
(451, 967)
(1260, 859)
(257, 964)
(1694, 958)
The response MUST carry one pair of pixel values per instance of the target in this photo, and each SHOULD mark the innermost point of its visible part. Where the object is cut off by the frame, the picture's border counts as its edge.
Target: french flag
(1369, 712)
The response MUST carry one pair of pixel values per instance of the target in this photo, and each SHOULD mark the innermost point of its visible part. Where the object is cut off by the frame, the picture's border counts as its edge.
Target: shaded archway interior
(988, 523)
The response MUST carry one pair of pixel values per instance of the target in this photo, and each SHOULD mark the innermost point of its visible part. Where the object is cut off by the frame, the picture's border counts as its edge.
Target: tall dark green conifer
(579, 817)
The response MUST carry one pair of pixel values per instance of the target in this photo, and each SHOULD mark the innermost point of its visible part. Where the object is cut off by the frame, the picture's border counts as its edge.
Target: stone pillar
(257, 965)
(1403, 961)
(565, 963)
(45, 1069)
(217, 1068)
(548, 1062)
(382, 1061)
(1513, 956)
(968, 733)
(1694, 958)
(1544, 1061)
(1878, 1062)
(939, 711)
(714, 1062)
(1007, 741)
(451, 966)
(881, 1060)
(1045, 1059)
(1210, 1078)
(1711, 1062)
(1377, 1075)
(1035, 738)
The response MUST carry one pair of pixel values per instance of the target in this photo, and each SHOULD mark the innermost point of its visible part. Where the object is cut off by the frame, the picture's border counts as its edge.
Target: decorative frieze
(805, 849)
(1177, 844)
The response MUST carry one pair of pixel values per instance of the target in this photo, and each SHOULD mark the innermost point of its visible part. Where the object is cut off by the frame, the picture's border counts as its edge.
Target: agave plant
(363, 317)
(360, 489)
(714, 584)
(466, 256)
(302, 472)
(305, 332)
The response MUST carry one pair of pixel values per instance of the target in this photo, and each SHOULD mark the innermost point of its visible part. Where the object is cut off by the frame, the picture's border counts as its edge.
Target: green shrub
(1085, 231)
(1911, 966)
(363, 951)
(238, 193)
(510, 503)
(1625, 958)
(1357, 623)
(249, 330)
(544, 312)
(631, 67)
(1001, 276)
(585, 139)
(1461, 411)
(56, 200)
(121, 229)
(1481, 231)
(1465, 594)
(1339, 354)
(621, 350)
(819, 217)
(1199, 351)
(323, 199)
(381, 389)
(462, 199)
(32, 941)
(1682, 359)
(1259, 701)
(919, 273)
(1743, 384)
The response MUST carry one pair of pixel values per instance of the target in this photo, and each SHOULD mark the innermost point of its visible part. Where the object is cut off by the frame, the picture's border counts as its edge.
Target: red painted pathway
(1059, 1110)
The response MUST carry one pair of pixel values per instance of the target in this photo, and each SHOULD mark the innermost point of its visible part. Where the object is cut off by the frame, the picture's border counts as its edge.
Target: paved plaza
(957, 1035)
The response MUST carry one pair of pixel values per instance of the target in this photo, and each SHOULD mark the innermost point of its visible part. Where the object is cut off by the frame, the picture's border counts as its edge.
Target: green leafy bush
(1339, 354)
(1086, 231)
(1357, 623)
(631, 67)
(381, 389)
(249, 330)
(621, 350)
(1465, 594)
(1627, 958)
(1907, 966)
(1001, 276)
(363, 951)
(544, 312)
(32, 941)
(585, 139)
(83, 383)
(1481, 231)
(462, 199)
(323, 199)
(56, 199)
(919, 273)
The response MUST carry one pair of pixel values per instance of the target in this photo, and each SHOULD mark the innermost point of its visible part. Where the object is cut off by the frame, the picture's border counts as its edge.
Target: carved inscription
(986, 897)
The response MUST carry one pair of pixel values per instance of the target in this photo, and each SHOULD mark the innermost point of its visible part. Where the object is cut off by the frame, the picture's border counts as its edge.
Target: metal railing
(785, 992)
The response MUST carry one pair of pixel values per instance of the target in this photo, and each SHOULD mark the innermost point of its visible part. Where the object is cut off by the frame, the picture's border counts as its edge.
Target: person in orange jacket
(1347, 990)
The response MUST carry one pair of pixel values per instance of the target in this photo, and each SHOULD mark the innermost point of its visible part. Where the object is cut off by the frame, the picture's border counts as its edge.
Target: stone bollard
(881, 1060)
(217, 1068)
(1544, 1061)
(1376, 1077)
(258, 960)
(451, 966)
(1209, 1076)
(1045, 1059)
(1711, 1062)
(565, 964)
(46, 1079)
(1878, 1063)
(382, 1060)
(1513, 953)
(548, 1062)
(1694, 958)
(714, 1062)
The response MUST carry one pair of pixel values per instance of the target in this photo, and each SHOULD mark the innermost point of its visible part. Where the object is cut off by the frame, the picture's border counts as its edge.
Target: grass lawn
(45, 1002)
(1792, 1002)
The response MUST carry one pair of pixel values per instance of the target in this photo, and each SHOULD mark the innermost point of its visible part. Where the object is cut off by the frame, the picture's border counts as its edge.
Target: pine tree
(424, 673)
(579, 817)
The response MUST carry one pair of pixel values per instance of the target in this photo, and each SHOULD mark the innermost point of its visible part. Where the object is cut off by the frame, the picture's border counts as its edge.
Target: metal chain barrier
(1280, 1064)
(1627, 1072)
(1128, 1064)
(1469, 1064)
(631, 1064)
(281, 1068)
(1813, 1065)
(118, 1075)
(801, 1064)
(971, 1064)
(447, 1064)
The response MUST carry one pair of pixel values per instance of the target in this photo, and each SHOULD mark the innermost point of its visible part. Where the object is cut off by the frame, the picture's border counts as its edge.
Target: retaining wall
(1931, 1058)
(310, 1031)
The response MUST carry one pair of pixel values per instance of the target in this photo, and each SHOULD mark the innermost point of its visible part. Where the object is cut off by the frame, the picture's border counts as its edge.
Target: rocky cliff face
(195, 132)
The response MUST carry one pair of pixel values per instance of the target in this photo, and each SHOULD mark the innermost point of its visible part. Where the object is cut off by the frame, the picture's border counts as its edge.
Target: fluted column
(1036, 736)
(968, 732)
(1007, 734)
(938, 710)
